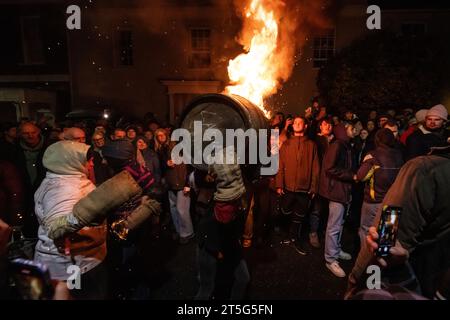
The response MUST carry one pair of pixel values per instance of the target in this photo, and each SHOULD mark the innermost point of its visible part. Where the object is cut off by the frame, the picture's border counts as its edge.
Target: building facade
(138, 56)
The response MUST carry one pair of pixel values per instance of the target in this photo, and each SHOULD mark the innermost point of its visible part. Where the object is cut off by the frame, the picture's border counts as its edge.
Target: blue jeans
(181, 216)
(334, 231)
(368, 213)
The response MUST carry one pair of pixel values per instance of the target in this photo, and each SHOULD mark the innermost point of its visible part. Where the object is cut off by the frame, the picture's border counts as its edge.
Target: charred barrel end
(220, 111)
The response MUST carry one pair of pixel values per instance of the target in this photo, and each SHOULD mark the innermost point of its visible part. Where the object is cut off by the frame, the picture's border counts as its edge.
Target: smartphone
(32, 280)
(387, 229)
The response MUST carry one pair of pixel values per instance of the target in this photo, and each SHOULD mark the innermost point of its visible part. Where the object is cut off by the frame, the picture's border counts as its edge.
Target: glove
(147, 208)
(93, 208)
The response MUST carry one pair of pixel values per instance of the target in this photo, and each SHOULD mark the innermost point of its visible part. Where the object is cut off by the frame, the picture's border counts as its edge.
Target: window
(125, 48)
(32, 45)
(413, 29)
(200, 55)
(323, 48)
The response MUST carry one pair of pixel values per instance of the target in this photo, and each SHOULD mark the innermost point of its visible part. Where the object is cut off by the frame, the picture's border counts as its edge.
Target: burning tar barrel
(222, 112)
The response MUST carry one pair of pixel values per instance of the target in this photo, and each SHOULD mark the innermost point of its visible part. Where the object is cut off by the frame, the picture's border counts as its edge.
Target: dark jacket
(322, 146)
(421, 190)
(420, 143)
(299, 166)
(336, 176)
(11, 194)
(152, 163)
(177, 177)
(379, 170)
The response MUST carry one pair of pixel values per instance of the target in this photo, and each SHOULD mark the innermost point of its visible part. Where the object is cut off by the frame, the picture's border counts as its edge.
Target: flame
(254, 74)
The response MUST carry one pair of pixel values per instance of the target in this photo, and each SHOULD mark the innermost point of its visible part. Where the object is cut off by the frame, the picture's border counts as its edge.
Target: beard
(433, 130)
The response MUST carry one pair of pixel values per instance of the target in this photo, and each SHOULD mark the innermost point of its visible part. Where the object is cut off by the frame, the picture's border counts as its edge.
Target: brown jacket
(299, 166)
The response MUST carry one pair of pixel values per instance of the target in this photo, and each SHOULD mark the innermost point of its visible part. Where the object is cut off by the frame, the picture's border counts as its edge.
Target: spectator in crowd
(28, 159)
(101, 171)
(378, 170)
(430, 135)
(148, 158)
(75, 134)
(414, 123)
(297, 181)
(382, 119)
(119, 134)
(336, 120)
(420, 255)
(336, 185)
(131, 133)
(372, 116)
(320, 204)
(8, 142)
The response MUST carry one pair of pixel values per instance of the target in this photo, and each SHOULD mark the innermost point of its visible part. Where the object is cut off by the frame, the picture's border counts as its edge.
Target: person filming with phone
(418, 257)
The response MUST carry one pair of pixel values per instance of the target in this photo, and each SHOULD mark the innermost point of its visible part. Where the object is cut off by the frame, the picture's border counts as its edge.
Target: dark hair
(391, 122)
(327, 120)
(301, 117)
(384, 137)
(9, 125)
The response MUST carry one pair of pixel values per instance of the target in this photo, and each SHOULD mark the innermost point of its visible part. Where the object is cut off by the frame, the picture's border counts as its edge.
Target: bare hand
(5, 234)
(398, 254)
(280, 191)
(170, 163)
(61, 290)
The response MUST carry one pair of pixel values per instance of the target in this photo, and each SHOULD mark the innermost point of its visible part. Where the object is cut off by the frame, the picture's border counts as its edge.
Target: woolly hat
(421, 114)
(66, 157)
(438, 111)
(121, 149)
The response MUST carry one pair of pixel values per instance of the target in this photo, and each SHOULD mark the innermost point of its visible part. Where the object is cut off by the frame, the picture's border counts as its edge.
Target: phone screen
(387, 229)
(32, 280)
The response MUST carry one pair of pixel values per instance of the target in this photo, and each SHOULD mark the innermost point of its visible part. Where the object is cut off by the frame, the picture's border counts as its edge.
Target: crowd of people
(333, 168)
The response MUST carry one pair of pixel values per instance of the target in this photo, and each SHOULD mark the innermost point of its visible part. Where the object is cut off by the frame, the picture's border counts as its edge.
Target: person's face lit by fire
(161, 136)
(326, 128)
(434, 123)
(119, 134)
(364, 134)
(299, 126)
(393, 128)
(141, 145)
(98, 140)
(30, 134)
(382, 121)
(351, 131)
(131, 134)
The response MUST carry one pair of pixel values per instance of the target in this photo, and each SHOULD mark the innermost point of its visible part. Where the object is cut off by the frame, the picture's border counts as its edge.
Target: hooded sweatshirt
(65, 184)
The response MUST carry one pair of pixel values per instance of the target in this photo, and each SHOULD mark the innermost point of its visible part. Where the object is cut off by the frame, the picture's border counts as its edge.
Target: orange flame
(254, 75)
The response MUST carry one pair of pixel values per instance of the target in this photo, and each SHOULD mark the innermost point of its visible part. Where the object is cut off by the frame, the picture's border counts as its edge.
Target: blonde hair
(158, 145)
